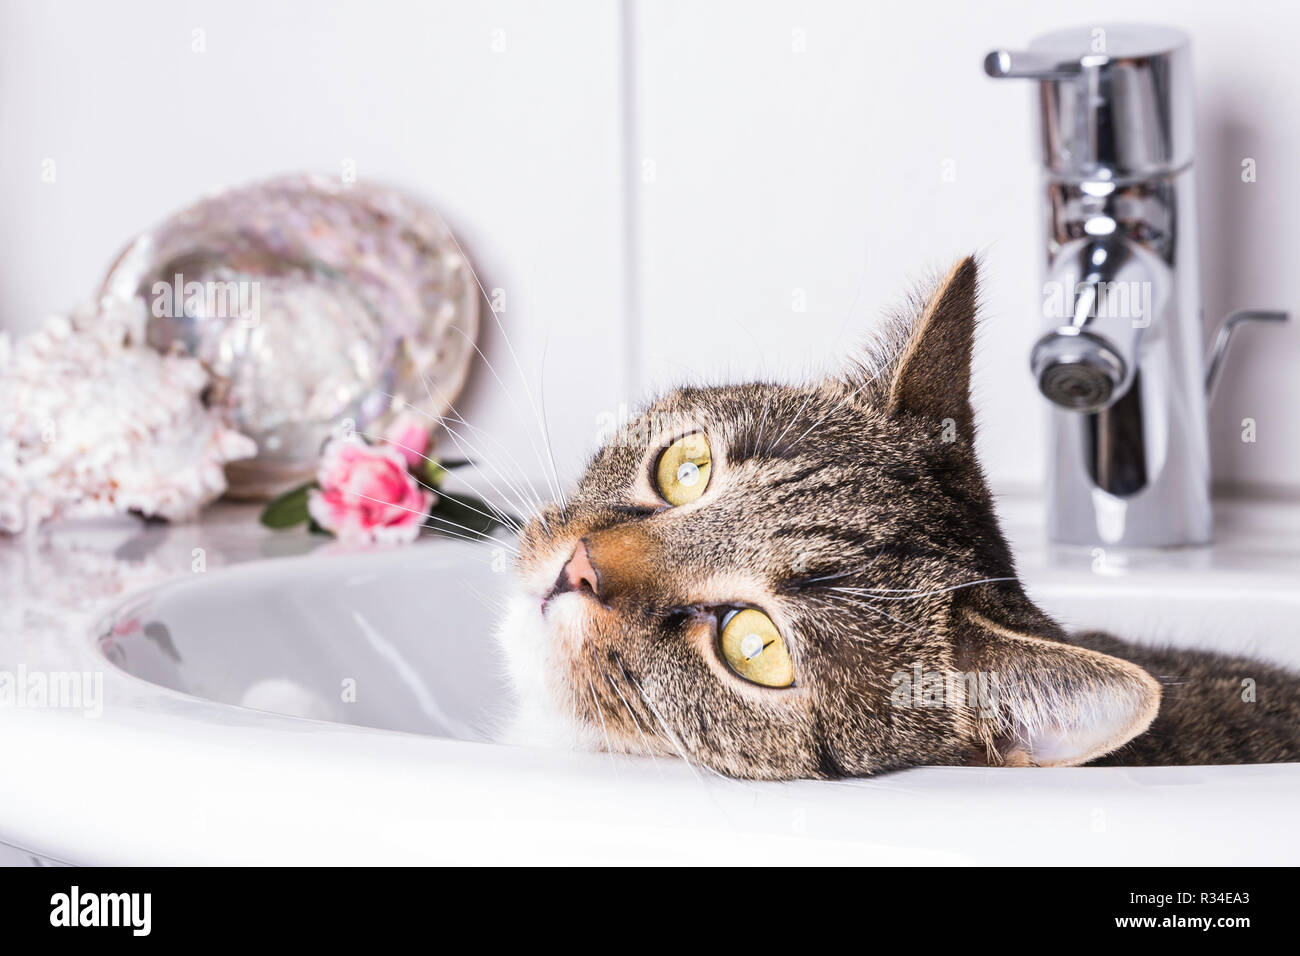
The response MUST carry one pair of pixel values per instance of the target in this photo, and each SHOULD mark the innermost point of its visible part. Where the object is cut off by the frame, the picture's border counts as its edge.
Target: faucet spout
(1100, 296)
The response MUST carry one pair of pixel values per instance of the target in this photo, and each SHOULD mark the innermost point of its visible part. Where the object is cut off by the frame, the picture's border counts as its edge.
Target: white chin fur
(526, 643)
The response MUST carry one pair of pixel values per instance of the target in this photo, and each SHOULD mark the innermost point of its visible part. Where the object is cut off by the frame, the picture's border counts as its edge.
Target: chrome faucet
(1121, 356)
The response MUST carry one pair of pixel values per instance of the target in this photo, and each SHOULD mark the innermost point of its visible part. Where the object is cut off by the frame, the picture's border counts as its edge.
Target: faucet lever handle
(1215, 364)
(1029, 64)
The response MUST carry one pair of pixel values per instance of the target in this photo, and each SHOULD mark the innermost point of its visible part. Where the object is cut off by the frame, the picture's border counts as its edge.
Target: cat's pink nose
(579, 572)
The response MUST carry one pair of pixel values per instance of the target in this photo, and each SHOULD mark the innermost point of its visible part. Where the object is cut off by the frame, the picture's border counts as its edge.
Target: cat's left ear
(932, 376)
(1052, 704)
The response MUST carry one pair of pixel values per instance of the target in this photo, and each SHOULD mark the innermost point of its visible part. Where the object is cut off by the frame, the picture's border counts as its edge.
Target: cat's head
(784, 581)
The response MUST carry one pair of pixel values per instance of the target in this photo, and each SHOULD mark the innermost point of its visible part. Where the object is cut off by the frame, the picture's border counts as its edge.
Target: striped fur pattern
(854, 513)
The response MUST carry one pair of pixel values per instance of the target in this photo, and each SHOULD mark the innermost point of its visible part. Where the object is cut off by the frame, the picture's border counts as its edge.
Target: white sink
(394, 640)
(228, 736)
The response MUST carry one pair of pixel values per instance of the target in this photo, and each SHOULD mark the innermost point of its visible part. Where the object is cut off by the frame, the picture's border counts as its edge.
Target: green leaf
(433, 472)
(459, 516)
(289, 509)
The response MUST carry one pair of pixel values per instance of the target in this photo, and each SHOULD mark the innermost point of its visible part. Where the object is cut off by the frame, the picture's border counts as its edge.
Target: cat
(750, 577)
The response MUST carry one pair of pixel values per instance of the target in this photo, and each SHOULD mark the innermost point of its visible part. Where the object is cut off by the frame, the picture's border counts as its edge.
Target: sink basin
(396, 640)
(339, 708)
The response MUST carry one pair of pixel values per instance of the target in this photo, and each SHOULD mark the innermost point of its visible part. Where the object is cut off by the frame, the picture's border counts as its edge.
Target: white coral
(91, 426)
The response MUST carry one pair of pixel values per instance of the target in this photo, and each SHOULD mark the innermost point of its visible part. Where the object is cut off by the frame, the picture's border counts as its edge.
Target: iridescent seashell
(315, 306)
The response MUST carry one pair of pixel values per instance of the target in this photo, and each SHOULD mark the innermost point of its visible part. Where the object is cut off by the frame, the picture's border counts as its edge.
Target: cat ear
(1052, 704)
(932, 376)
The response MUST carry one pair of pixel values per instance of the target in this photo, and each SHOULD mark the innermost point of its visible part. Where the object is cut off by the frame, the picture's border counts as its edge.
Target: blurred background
(654, 192)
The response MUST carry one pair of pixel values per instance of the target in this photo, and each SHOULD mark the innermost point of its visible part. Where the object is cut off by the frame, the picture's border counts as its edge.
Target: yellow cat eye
(682, 472)
(754, 649)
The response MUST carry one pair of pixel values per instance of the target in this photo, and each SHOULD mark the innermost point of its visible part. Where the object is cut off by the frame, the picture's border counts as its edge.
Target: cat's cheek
(522, 637)
(568, 623)
(541, 718)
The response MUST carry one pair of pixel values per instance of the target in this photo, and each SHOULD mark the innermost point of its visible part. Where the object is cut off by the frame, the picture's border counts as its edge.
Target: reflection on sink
(393, 640)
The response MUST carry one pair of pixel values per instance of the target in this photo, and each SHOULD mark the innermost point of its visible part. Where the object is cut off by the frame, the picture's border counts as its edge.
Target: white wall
(779, 173)
(518, 149)
(759, 175)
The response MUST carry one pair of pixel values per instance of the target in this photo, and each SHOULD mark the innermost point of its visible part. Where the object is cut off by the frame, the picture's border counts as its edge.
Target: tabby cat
(782, 581)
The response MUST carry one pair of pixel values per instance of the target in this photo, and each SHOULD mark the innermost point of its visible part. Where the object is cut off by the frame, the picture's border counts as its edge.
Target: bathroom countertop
(1256, 544)
(58, 586)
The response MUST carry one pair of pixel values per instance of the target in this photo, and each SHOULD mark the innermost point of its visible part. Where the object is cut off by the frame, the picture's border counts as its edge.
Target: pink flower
(367, 495)
(410, 436)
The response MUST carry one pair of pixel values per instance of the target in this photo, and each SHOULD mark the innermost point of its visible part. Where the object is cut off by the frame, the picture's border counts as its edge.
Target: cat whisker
(790, 424)
(762, 424)
(526, 503)
(500, 517)
(467, 448)
(552, 482)
(626, 706)
(681, 751)
(526, 509)
(477, 537)
(827, 577)
(668, 735)
(546, 424)
(465, 534)
(515, 496)
(467, 537)
(506, 519)
(656, 731)
(844, 574)
(923, 590)
(460, 532)
(835, 602)
(357, 494)
(521, 489)
(913, 594)
(496, 316)
(844, 401)
(520, 471)
(600, 713)
(875, 610)
(494, 606)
